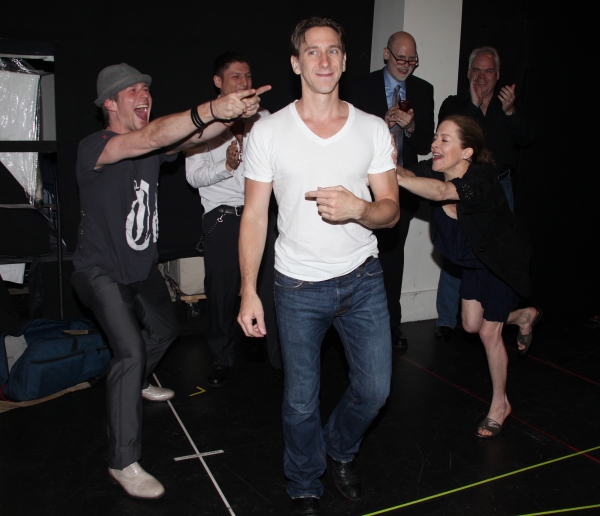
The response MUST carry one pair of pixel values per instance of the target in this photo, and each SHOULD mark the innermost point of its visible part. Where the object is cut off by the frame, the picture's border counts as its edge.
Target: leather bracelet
(196, 120)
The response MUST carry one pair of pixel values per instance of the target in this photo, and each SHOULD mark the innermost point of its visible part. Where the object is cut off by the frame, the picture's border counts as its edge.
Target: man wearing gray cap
(115, 259)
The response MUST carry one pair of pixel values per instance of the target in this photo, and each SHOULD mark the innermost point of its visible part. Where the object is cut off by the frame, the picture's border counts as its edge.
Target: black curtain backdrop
(542, 50)
(556, 187)
(176, 46)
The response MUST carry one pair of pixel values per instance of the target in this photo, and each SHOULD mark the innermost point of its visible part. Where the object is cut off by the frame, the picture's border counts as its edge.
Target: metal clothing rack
(10, 48)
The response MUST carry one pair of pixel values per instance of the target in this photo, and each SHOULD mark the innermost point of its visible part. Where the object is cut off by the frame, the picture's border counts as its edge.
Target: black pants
(391, 242)
(120, 309)
(222, 285)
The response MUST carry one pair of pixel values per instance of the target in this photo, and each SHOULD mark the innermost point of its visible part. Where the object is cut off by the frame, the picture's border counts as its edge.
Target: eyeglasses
(410, 61)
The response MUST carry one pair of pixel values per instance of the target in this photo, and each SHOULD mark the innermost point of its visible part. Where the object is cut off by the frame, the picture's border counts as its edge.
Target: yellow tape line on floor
(439, 495)
(558, 511)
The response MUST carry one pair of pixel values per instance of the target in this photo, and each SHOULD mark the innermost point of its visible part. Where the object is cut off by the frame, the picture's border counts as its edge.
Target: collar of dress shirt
(390, 82)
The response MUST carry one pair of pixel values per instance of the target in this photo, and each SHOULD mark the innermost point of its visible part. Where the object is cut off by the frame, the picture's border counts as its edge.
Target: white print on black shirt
(137, 228)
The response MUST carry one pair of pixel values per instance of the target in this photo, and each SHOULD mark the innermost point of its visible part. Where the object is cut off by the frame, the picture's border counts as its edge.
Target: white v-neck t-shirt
(283, 150)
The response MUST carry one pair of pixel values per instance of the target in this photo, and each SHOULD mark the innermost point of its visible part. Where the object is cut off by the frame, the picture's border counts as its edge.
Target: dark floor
(419, 458)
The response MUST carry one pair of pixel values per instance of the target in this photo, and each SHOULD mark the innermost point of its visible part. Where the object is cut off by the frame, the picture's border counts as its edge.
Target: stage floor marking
(566, 371)
(486, 481)
(560, 511)
(200, 391)
(198, 455)
(513, 416)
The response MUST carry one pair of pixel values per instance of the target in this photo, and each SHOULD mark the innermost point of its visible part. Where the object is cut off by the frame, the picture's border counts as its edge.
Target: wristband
(196, 120)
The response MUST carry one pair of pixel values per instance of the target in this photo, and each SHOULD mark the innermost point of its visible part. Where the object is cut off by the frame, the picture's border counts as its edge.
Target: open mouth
(142, 112)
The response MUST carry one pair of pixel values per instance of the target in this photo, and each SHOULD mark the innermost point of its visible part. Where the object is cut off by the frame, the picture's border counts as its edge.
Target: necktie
(397, 131)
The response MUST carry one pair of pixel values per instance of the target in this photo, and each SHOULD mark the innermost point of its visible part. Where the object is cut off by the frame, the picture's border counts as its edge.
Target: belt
(504, 174)
(230, 210)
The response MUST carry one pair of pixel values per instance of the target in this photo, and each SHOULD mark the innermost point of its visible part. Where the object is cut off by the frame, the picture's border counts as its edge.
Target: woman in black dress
(473, 227)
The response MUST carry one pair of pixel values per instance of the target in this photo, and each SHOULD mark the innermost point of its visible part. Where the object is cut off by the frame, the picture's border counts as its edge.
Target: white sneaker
(153, 393)
(137, 482)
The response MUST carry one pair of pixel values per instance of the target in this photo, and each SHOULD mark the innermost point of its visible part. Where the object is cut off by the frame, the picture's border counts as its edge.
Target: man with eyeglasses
(380, 93)
(504, 127)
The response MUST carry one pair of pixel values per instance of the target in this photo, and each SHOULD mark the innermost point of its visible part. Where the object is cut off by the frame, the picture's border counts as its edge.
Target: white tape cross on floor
(197, 454)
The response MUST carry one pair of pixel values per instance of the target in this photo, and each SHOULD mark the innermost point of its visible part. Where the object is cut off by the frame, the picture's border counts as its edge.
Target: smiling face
(483, 69)
(321, 61)
(448, 153)
(236, 77)
(131, 110)
(403, 47)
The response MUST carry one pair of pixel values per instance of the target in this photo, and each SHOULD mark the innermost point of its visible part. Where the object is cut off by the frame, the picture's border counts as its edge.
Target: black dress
(478, 282)
(495, 236)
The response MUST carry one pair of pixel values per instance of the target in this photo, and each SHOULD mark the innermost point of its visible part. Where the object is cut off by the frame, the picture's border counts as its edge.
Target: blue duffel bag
(46, 356)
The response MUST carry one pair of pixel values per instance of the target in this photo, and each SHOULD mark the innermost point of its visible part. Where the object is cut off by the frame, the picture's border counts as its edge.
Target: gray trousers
(140, 323)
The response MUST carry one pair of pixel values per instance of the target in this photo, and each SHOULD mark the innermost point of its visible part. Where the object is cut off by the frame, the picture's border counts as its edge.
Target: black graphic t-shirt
(119, 218)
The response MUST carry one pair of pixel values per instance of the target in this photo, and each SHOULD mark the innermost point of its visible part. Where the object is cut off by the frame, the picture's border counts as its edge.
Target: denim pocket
(283, 281)
(373, 268)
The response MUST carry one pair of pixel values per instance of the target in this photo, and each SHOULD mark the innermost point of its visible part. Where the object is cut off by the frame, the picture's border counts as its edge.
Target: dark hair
(223, 61)
(299, 32)
(105, 111)
(471, 135)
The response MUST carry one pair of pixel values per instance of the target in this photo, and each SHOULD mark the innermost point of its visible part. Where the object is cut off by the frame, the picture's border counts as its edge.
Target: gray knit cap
(114, 78)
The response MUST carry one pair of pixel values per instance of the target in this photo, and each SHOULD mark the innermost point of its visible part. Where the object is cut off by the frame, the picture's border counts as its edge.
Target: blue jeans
(448, 296)
(356, 305)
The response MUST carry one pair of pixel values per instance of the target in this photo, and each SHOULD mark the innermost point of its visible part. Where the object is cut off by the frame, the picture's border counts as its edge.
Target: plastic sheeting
(13, 272)
(19, 120)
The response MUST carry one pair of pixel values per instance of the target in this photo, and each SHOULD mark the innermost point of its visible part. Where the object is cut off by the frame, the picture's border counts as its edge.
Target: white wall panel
(436, 27)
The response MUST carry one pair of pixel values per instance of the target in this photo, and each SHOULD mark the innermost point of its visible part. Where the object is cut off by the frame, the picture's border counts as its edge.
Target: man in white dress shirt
(216, 168)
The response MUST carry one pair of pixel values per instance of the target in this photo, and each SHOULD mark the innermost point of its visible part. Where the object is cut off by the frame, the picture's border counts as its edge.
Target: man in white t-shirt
(320, 156)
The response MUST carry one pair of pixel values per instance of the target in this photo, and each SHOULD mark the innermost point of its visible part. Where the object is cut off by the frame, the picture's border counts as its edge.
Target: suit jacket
(368, 94)
(501, 133)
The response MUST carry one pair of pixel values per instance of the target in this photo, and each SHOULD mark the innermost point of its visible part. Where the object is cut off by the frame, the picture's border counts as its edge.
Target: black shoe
(443, 332)
(346, 479)
(305, 506)
(399, 341)
(278, 372)
(218, 375)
